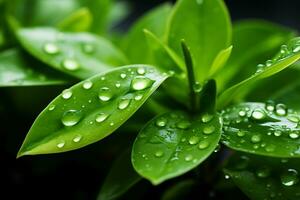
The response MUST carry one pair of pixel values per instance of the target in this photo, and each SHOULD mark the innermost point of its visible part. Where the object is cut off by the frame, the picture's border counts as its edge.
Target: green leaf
(78, 21)
(206, 27)
(120, 178)
(208, 97)
(265, 178)
(173, 144)
(262, 128)
(135, 44)
(91, 110)
(220, 61)
(288, 55)
(119, 11)
(16, 69)
(81, 55)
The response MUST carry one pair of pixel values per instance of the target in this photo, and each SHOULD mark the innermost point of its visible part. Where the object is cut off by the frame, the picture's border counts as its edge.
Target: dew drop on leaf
(138, 97)
(188, 158)
(258, 114)
(67, 94)
(289, 178)
(256, 138)
(184, 124)
(61, 144)
(70, 64)
(77, 138)
(206, 118)
(105, 94)
(88, 48)
(51, 48)
(71, 117)
(101, 117)
(277, 133)
(141, 83)
(51, 107)
(159, 153)
(123, 75)
(294, 119)
(203, 144)
(124, 103)
(161, 122)
(87, 85)
(241, 133)
(263, 172)
(141, 71)
(293, 135)
(197, 87)
(208, 129)
(281, 109)
(118, 85)
(194, 140)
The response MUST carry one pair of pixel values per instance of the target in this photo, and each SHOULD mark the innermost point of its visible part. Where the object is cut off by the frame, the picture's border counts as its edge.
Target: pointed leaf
(220, 60)
(155, 21)
(262, 128)
(288, 55)
(265, 178)
(120, 178)
(79, 54)
(17, 70)
(208, 97)
(173, 144)
(207, 31)
(91, 110)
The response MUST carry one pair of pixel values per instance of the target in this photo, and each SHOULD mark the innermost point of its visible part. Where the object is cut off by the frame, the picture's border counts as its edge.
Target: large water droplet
(203, 144)
(242, 113)
(87, 85)
(206, 118)
(270, 106)
(289, 178)
(194, 140)
(280, 109)
(67, 94)
(105, 94)
(258, 114)
(141, 83)
(256, 138)
(124, 103)
(159, 153)
(101, 117)
(197, 87)
(70, 64)
(161, 122)
(293, 118)
(294, 135)
(71, 117)
(184, 124)
(138, 97)
(61, 144)
(51, 48)
(208, 129)
(277, 133)
(141, 71)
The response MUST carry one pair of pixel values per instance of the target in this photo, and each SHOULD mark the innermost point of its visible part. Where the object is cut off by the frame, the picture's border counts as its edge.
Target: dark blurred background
(79, 174)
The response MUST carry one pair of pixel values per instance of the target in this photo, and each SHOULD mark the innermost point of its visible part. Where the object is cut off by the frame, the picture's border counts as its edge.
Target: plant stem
(191, 75)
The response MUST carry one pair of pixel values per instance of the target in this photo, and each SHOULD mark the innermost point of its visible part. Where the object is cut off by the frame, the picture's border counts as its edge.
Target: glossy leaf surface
(287, 55)
(91, 110)
(81, 55)
(205, 26)
(173, 143)
(262, 128)
(220, 60)
(120, 178)
(17, 70)
(265, 178)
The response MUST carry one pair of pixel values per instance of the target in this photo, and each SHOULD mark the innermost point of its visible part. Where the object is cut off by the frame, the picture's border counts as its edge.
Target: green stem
(191, 75)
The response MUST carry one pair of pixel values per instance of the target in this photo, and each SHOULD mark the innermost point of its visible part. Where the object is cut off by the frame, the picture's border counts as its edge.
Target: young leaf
(120, 178)
(265, 178)
(154, 21)
(91, 110)
(220, 61)
(17, 70)
(262, 128)
(81, 55)
(78, 21)
(265, 40)
(173, 143)
(207, 31)
(288, 55)
(208, 97)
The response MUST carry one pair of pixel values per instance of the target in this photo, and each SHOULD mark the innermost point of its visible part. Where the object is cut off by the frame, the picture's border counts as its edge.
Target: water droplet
(184, 124)
(194, 140)
(188, 158)
(269, 63)
(197, 87)
(88, 48)
(241, 133)
(203, 144)
(118, 85)
(256, 138)
(258, 114)
(141, 71)
(105, 94)
(101, 117)
(277, 133)
(208, 129)
(123, 75)
(270, 106)
(280, 109)
(242, 113)
(67, 94)
(70, 64)
(296, 49)
(71, 117)
(270, 148)
(51, 48)
(124, 103)
(141, 83)
(112, 124)
(87, 85)
(138, 97)
(61, 144)
(161, 122)
(199, 2)
(294, 119)
(289, 178)
(159, 153)
(294, 135)
(227, 176)
(263, 172)
(51, 107)
(77, 138)
(103, 78)
(206, 118)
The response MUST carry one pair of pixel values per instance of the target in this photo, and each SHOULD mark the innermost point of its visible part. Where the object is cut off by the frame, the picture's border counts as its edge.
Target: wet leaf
(262, 128)
(173, 144)
(81, 55)
(91, 110)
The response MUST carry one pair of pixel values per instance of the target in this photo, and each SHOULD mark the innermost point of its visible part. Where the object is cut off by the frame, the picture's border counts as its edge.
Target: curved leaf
(220, 60)
(91, 110)
(266, 129)
(17, 70)
(265, 178)
(206, 30)
(173, 143)
(155, 21)
(288, 55)
(81, 55)
(120, 178)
